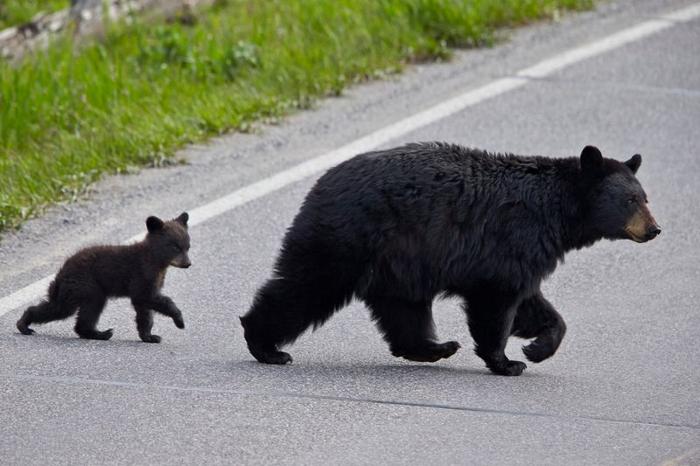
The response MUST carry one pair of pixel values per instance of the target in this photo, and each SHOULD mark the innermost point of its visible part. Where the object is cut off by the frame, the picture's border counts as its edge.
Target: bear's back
(110, 267)
(413, 183)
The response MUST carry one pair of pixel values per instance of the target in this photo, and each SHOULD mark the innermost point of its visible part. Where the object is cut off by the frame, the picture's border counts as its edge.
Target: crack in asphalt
(310, 396)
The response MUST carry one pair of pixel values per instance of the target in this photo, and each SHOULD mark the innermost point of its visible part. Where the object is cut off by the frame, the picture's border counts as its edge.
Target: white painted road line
(401, 128)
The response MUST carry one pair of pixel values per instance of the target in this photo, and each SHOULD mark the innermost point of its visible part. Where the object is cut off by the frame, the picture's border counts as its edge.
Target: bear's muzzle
(642, 227)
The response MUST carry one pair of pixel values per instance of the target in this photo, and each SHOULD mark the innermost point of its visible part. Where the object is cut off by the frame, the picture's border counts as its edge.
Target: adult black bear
(94, 274)
(397, 228)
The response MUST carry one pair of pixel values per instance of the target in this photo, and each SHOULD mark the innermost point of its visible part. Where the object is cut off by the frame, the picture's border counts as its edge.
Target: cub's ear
(182, 219)
(591, 161)
(154, 224)
(634, 163)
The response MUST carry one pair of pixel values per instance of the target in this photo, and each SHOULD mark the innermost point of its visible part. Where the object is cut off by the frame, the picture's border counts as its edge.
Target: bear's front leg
(164, 305)
(490, 315)
(536, 318)
(144, 323)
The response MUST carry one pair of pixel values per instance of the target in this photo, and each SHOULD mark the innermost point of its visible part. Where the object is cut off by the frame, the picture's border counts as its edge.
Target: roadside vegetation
(69, 114)
(16, 12)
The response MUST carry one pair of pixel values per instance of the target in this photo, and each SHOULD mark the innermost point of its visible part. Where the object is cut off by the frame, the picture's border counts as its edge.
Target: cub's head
(616, 204)
(169, 241)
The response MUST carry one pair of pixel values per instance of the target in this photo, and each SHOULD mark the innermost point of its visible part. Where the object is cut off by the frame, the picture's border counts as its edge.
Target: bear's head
(615, 203)
(169, 241)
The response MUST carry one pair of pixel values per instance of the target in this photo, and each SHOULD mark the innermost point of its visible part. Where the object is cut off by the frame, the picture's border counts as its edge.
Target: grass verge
(68, 115)
(15, 12)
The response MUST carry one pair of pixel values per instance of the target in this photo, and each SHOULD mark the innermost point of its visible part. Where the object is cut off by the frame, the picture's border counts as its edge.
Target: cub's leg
(164, 305)
(44, 312)
(490, 314)
(409, 329)
(88, 315)
(536, 318)
(144, 323)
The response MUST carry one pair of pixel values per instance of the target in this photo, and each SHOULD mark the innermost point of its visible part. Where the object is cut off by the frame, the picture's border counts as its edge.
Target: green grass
(15, 12)
(69, 115)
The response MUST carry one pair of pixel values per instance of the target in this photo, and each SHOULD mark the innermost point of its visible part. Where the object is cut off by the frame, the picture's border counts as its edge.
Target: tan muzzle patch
(640, 225)
(181, 261)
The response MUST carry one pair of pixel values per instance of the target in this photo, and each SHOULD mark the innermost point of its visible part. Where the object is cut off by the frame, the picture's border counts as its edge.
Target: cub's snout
(182, 261)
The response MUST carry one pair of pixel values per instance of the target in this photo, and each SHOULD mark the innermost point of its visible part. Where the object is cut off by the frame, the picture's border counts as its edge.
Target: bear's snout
(181, 262)
(642, 227)
(653, 232)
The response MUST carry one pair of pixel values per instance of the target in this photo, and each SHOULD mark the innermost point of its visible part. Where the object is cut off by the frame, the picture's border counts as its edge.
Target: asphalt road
(624, 387)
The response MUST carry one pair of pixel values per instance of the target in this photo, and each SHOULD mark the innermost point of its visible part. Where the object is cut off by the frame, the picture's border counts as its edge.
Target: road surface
(624, 387)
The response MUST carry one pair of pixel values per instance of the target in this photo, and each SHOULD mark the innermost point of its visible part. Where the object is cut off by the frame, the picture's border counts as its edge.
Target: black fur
(95, 274)
(397, 228)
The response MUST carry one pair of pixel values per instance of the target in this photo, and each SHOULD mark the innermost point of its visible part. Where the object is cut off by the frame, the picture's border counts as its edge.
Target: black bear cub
(399, 227)
(95, 274)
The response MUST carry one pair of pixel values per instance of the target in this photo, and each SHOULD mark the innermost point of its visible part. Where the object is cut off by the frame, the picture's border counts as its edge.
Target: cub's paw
(538, 351)
(179, 323)
(24, 328)
(150, 338)
(509, 368)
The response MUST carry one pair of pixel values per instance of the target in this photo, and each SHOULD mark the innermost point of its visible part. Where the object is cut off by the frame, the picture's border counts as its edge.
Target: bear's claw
(509, 368)
(179, 323)
(269, 354)
(430, 353)
(537, 352)
(150, 338)
(273, 357)
(24, 328)
(96, 334)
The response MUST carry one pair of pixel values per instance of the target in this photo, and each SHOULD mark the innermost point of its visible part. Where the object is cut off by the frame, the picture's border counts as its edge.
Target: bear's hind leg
(409, 329)
(88, 315)
(490, 314)
(537, 318)
(44, 312)
(283, 309)
(262, 330)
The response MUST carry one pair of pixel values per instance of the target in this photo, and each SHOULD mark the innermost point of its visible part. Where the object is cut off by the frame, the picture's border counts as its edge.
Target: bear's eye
(175, 247)
(631, 201)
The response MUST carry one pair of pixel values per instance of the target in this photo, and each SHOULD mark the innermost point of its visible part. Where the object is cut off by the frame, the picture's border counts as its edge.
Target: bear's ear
(154, 224)
(591, 161)
(634, 163)
(182, 219)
